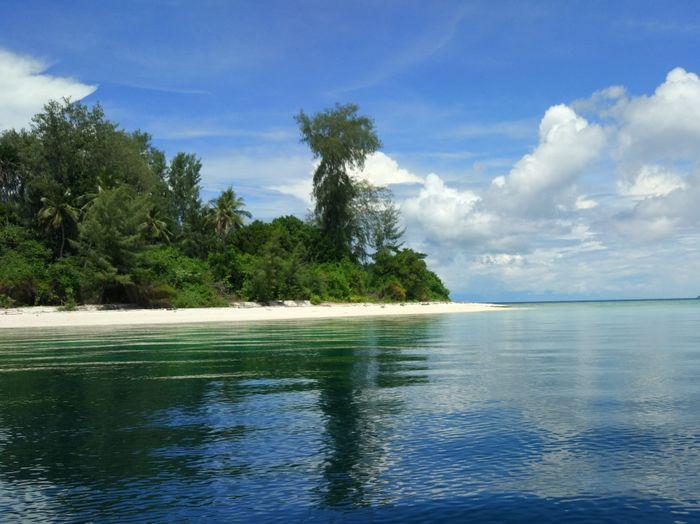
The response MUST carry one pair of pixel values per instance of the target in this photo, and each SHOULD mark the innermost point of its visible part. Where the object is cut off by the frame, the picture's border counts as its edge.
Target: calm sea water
(567, 412)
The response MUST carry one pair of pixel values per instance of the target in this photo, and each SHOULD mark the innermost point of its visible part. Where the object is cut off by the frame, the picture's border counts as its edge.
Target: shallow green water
(583, 411)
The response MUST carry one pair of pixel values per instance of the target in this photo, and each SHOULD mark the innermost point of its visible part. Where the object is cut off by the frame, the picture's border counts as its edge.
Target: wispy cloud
(673, 27)
(429, 43)
(180, 131)
(439, 155)
(265, 169)
(163, 89)
(516, 129)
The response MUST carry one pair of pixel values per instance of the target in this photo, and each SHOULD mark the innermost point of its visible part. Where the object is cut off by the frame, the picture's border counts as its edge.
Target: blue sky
(461, 93)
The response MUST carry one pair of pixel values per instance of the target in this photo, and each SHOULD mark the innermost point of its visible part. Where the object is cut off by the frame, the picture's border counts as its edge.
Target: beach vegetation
(94, 214)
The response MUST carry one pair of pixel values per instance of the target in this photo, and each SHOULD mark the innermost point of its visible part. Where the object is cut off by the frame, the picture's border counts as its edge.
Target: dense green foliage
(90, 213)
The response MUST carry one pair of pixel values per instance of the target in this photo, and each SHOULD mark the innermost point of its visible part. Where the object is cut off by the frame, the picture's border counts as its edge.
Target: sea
(564, 412)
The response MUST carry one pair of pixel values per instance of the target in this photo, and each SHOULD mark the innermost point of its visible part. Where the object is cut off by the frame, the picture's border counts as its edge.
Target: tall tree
(377, 220)
(57, 212)
(12, 173)
(70, 146)
(341, 140)
(387, 229)
(184, 178)
(227, 213)
(112, 241)
(77, 144)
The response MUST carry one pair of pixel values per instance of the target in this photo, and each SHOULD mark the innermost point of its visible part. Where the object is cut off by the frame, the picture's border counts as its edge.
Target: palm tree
(56, 212)
(227, 213)
(86, 201)
(154, 226)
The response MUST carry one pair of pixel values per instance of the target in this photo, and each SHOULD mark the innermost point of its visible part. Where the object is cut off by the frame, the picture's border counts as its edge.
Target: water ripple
(582, 413)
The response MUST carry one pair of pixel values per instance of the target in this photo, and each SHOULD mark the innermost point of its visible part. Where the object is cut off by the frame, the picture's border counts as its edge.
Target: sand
(47, 317)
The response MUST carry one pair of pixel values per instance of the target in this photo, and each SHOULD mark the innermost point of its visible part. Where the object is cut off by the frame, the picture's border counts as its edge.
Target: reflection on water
(584, 412)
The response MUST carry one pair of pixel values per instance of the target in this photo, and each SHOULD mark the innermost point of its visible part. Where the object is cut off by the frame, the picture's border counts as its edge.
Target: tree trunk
(63, 240)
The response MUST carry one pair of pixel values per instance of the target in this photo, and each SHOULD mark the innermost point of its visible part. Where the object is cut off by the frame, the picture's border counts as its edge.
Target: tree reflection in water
(113, 413)
(359, 407)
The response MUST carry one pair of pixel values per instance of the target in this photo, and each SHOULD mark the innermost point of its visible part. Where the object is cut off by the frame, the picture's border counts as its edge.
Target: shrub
(155, 295)
(69, 305)
(23, 261)
(169, 278)
(342, 280)
(6, 302)
(197, 295)
(408, 268)
(275, 274)
(227, 268)
(337, 285)
(68, 277)
(393, 290)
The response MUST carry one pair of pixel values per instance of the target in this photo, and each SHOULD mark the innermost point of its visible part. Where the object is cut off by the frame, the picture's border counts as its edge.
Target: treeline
(95, 214)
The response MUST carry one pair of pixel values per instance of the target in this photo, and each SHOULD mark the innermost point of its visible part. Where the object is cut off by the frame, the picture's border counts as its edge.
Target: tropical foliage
(90, 213)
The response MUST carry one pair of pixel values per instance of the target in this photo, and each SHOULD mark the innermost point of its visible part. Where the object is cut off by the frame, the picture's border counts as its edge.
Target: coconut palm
(56, 212)
(227, 213)
(154, 226)
(88, 199)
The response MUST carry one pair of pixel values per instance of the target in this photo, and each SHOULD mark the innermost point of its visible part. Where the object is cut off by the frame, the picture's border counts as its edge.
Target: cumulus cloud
(657, 159)
(601, 205)
(600, 101)
(445, 213)
(522, 209)
(382, 170)
(651, 181)
(568, 145)
(663, 126)
(668, 208)
(25, 88)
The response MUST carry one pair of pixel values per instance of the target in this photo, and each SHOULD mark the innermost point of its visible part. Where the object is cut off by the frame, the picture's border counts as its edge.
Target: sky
(536, 150)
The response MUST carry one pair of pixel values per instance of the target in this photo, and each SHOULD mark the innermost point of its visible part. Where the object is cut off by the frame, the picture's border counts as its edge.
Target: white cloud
(444, 213)
(259, 168)
(300, 189)
(499, 182)
(652, 181)
(665, 125)
(600, 101)
(602, 206)
(501, 259)
(382, 170)
(657, 157)
(668, 208)
(519, 212)
(25, 88)
(585, 203)
(568, 145)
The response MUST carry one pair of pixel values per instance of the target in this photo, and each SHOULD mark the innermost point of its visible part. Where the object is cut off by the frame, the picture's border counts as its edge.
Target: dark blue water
(568, 412)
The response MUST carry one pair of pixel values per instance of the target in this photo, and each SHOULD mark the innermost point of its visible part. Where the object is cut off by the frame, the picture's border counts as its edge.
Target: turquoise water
(566, 412)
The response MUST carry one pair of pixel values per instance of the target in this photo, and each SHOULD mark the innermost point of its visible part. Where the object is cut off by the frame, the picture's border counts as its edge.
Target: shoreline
(49, 316)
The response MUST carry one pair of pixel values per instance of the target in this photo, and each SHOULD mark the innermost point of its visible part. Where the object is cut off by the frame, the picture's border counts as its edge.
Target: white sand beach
(47, 317)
